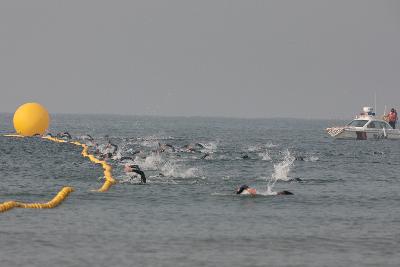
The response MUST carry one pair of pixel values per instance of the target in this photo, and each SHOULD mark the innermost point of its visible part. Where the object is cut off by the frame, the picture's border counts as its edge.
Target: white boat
(365, 126)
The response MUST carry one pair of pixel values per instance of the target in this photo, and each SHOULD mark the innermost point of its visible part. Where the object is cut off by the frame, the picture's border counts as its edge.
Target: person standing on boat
(392, 118)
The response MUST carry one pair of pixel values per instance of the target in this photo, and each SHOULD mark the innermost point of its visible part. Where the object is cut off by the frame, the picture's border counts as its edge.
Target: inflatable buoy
(31, 119)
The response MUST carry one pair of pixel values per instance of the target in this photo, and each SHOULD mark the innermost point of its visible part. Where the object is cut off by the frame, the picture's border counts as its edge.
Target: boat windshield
(378, 125)
(357, 123)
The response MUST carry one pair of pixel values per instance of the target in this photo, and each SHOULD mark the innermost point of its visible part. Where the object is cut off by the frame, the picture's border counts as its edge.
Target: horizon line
(185, 116)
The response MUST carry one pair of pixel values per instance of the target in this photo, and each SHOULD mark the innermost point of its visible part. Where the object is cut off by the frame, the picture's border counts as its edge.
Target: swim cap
(241, 189)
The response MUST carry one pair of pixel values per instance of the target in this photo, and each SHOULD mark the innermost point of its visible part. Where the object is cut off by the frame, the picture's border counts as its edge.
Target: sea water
(345, 210)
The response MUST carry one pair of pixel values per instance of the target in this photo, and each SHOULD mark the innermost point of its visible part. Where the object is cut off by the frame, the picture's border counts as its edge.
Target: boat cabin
(369, 123)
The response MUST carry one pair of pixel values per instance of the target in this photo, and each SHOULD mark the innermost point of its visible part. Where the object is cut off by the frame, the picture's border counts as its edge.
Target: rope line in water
(65, 191)
(109, 180)
(57, 200)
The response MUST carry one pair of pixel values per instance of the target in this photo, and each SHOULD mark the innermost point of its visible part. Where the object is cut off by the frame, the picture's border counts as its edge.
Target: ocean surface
(345, 210)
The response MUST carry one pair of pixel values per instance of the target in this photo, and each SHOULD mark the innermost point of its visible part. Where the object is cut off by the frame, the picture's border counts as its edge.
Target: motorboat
(365, 126)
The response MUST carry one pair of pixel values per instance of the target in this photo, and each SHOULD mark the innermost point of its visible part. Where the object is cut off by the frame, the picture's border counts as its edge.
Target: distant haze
(306, 59)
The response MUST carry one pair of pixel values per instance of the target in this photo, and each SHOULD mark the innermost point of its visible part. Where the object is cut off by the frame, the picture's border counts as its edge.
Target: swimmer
(205, 156)
(192, 147)
(87, 137)
(246, 190)
(48, 135)
(199, 145)
(136, 152)
(89, 141)
(130, 158)
(164, 147)
(111, 147)
(108, 149)
(64, 135)
(126, 158)
(106, 156)
(130, 168)
(188, 148)
(284, 192)
(245, 157)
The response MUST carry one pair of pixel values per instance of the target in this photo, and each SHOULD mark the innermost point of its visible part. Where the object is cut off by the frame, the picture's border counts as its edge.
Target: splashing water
(156, 137)
(150, 143)
(281, 170)
(270, 145)
(254, 148)
(312, 159)
(265, 156)
(267, 192)
(210, 147)
(151, 162)
(171, 169)
(118, 155)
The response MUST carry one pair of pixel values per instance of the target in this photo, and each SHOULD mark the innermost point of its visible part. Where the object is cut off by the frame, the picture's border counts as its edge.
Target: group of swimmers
(106, 152)
(109, 152)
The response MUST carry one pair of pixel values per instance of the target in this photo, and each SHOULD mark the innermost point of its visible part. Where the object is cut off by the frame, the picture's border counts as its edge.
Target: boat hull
(371, 134)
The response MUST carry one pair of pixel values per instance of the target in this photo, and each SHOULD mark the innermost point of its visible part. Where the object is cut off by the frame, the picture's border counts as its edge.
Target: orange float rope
(57, 200)
(109, 180)
(65, 191)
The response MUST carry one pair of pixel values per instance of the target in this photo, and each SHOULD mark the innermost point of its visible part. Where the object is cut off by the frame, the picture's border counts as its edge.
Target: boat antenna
(375, 102)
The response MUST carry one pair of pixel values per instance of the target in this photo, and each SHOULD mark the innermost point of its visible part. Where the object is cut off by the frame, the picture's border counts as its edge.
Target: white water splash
(118, 155)
(312, 158)
(155, 138)
(210, 147)
(270, 145)
(259, 147)
(151, 162)
(255, 148)
(131, 178)
(281, 171)
(267, 192)
(172, 169)
(265, 156)
(150, 143)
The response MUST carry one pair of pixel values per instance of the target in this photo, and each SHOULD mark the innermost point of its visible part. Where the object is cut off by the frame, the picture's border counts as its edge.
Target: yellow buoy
(31, 119)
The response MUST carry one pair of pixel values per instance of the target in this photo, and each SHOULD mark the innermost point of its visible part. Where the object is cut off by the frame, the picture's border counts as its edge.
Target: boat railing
(333, 131)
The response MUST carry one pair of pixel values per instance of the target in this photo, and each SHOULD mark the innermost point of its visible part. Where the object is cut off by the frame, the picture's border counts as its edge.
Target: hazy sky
(309, 59)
